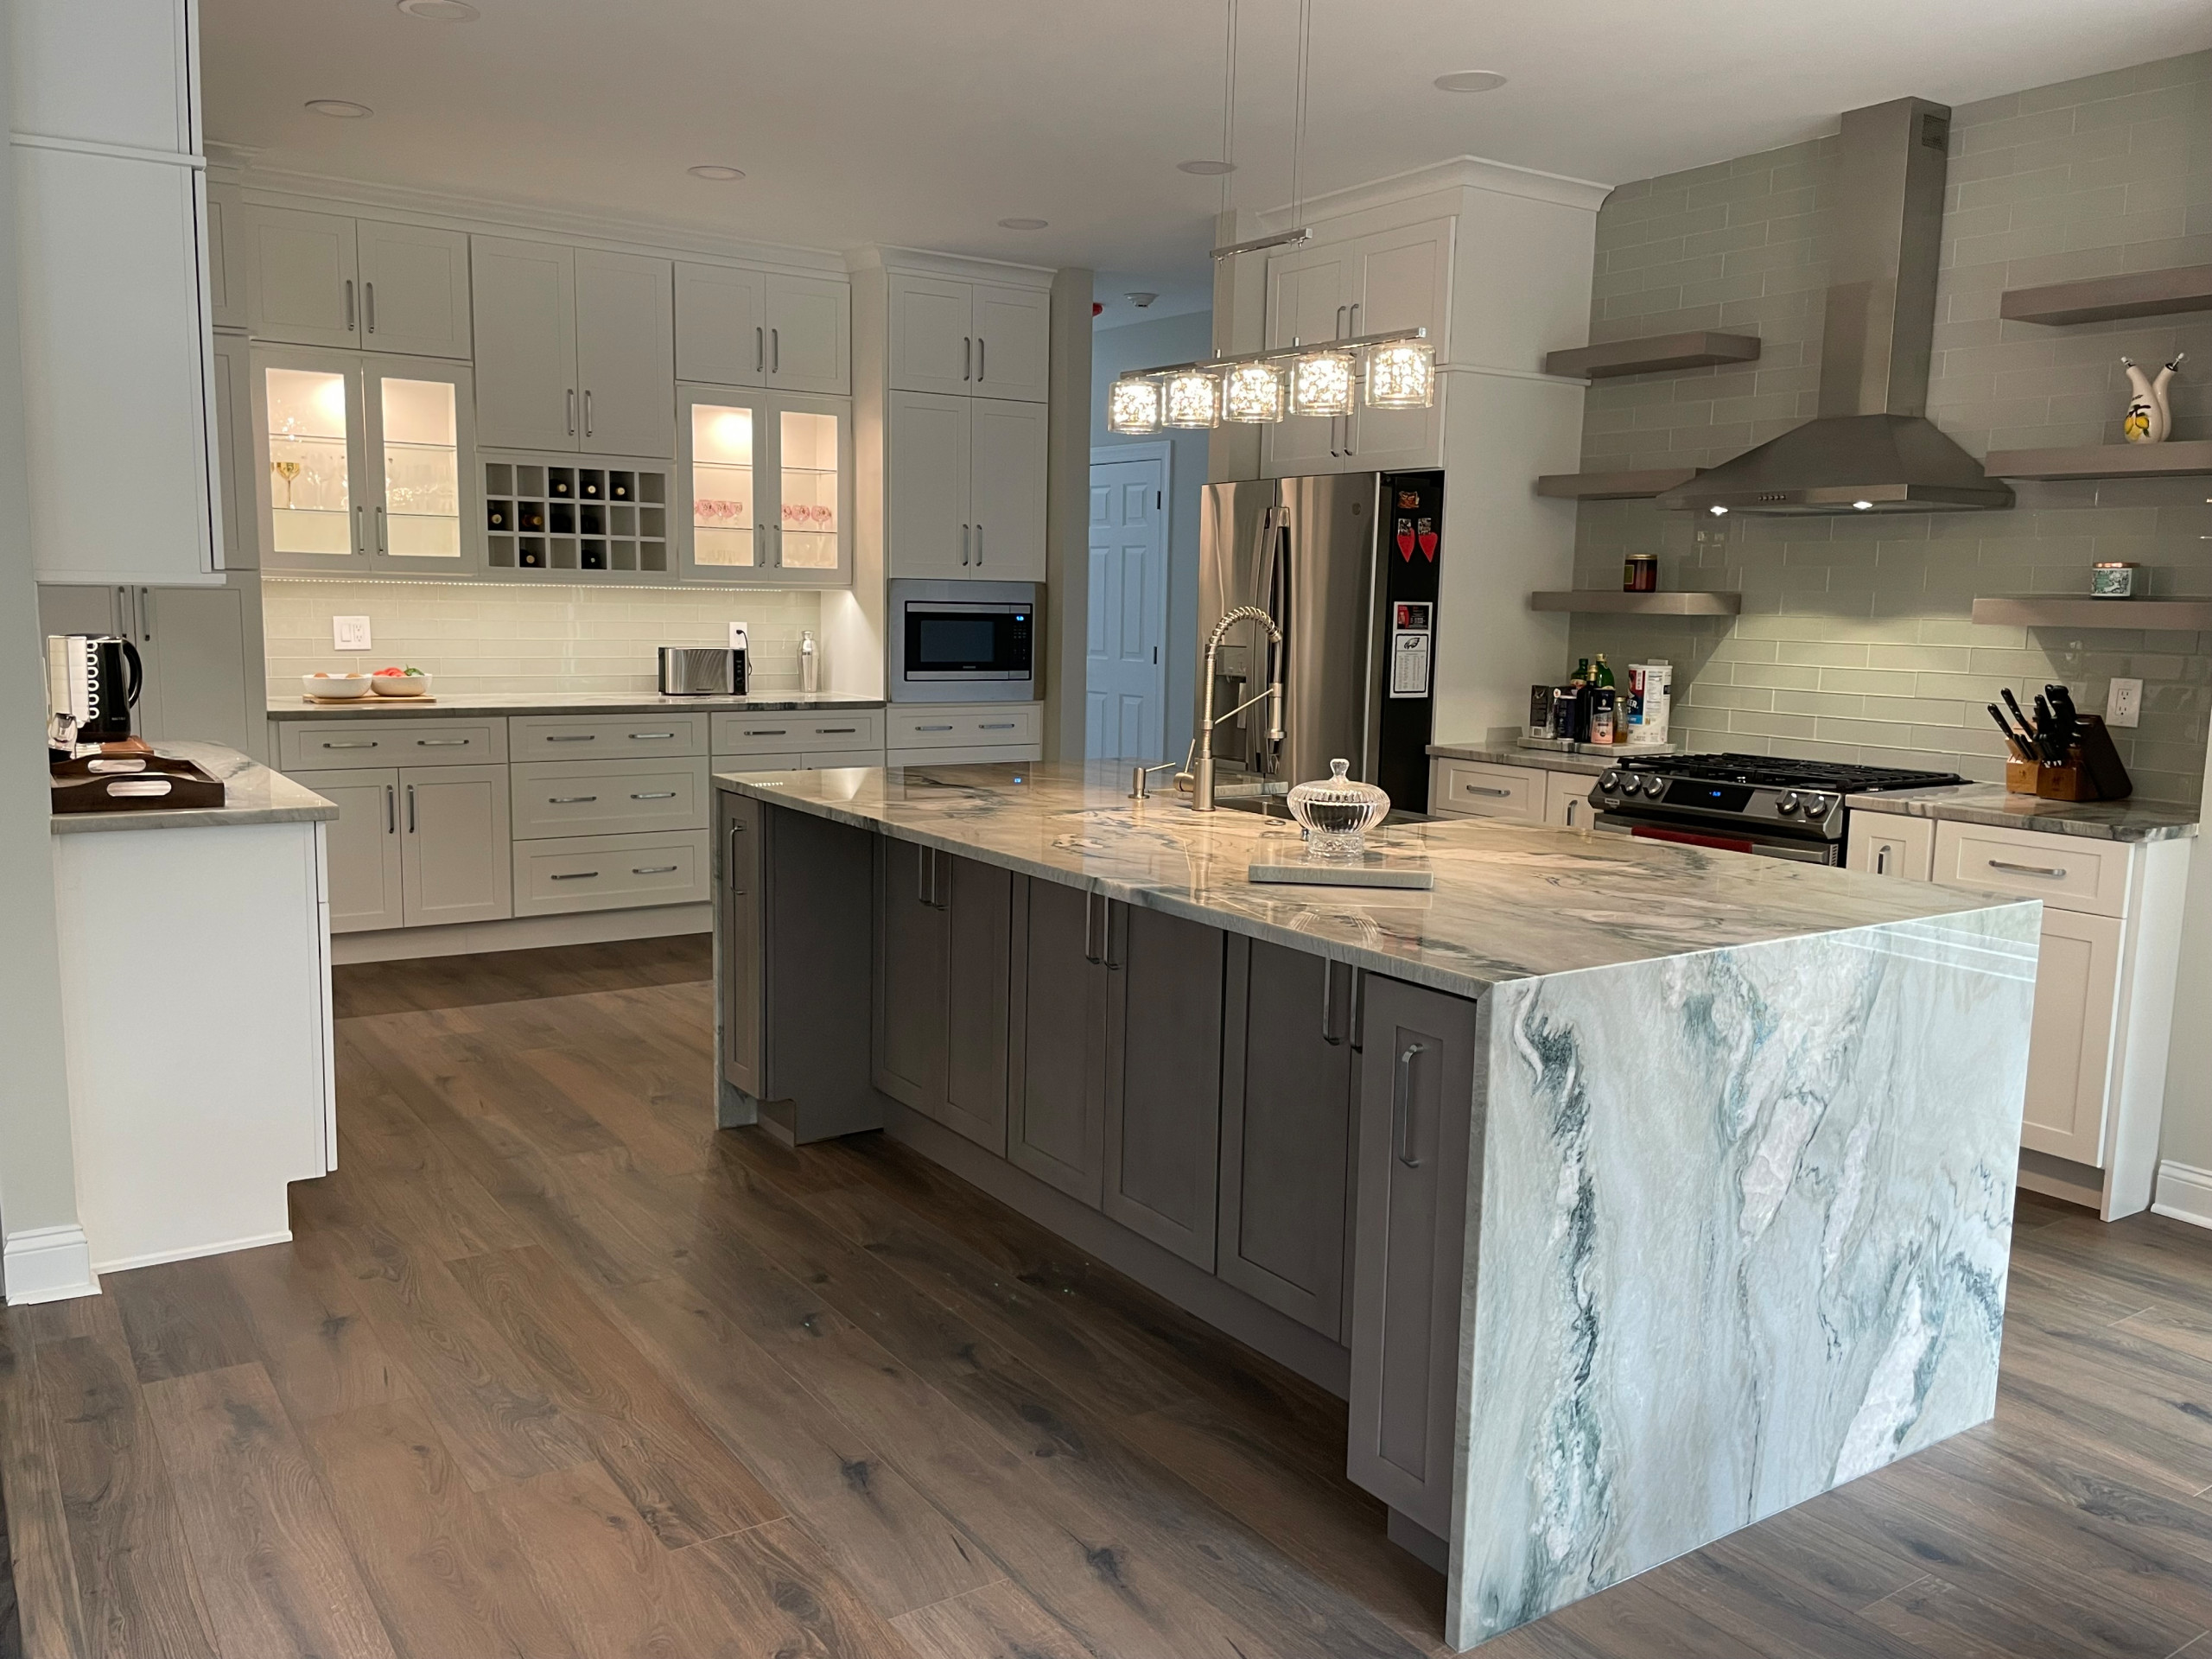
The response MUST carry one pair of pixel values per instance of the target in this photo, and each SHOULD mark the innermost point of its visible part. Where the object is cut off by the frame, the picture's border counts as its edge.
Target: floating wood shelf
(1613, 487)
(1604, 599)
(1653, 355)
(2168, 615)
(2103, 460)
(2101, 299)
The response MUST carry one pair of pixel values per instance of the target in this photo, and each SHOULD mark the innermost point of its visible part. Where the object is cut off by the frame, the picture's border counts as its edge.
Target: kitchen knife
(2013, 703)
(2069, 719)
(2012, 739)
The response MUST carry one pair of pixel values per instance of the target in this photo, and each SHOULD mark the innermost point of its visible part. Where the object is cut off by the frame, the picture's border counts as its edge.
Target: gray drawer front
(319, 745)
(607, 797)
(610, 873)
(654, 736)
(792, 731)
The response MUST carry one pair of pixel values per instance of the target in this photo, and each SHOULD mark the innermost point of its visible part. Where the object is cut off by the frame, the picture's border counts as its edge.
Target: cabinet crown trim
(115, 152)
(918, 262)
(1461, 172)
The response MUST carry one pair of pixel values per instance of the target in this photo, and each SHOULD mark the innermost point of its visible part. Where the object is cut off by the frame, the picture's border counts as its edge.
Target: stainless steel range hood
(1872, 448)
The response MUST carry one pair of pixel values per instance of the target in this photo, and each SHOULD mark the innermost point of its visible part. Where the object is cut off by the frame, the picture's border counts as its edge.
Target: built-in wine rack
(563, 519)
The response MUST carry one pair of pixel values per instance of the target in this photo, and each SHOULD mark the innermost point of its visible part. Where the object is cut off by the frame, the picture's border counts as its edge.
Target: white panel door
(809, 334)
(523, 301)
(933, 335)
(929, 532)
(2069, 1053)
(1005, 490)
(1309, 300)
(302, 279)
(201, 687)
(1014, 343)
(362, 850)
(1125, 680)
(414, 289)
(119, 415)
(456, 856)
(625, 353)
(722, 329)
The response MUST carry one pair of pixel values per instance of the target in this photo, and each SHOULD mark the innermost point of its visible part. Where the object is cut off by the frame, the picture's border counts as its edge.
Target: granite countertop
(253, 794)
(1511, 902)
(1989, 803)
(1506, 753)
(479, 703)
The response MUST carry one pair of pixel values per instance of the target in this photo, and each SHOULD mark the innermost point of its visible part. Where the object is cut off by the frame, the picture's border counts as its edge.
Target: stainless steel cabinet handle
(391, 811)
(1485, 789)
(1881, 861)
(924, 877)
(411, 809)
(1090, 928)
(368, 744)
(360, 543)
(1106, 935)
(994, 725)
(145, 616)
(381, 548)
(655, 795)
(834, 731)
(653, 869)
(650, 737)
(963, 544)
(1571, 805)
(572, 411)
(1329, 1003)
(442, 742)
(578, 875)
(349, 305)
(979, 543)
(587, 411)
(775, 351)
(2027, 869)
(570, 800)
(983, 350)
(575, 737)
(1340, 334)
(729, 865)
(767, 731)
(1402, 1104)
(368, 294)
(945, 728)
(759, 362)
(967, 357)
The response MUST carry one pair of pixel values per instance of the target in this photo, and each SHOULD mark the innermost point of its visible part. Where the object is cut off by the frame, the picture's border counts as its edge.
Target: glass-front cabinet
(368, 462)
(768, 480)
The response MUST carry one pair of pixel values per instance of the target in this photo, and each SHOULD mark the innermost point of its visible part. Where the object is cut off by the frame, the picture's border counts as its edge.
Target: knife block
(2092, 771)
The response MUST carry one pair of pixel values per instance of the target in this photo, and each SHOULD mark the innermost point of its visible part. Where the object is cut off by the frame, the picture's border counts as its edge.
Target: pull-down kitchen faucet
(1203, 791)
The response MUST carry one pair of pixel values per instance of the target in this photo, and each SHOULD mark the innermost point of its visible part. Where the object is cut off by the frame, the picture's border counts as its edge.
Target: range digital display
(1713, 797)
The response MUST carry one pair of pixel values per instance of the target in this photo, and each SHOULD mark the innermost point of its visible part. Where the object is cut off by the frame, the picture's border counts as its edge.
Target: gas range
(1745, 803)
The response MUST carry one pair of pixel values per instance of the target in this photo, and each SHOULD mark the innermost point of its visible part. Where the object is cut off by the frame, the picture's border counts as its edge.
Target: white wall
(1139, 346)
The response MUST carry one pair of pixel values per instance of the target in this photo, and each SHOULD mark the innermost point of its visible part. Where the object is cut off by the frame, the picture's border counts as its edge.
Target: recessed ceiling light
(339, 109)
(441, 11)
(1023, 224)
(1207, 169)
(1470, 80)
(720, 174)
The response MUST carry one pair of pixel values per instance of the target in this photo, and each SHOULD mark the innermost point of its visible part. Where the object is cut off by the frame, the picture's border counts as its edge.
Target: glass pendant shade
(1403, 376)
(1321, 383)
(1253, 394)
(1193, 400)
(1134, 405)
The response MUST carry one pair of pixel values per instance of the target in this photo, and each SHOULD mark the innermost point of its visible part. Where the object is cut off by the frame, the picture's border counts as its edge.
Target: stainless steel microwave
(963, 641)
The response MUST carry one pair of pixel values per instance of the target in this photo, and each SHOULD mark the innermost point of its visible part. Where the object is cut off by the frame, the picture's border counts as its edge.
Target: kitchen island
(1630, 1193)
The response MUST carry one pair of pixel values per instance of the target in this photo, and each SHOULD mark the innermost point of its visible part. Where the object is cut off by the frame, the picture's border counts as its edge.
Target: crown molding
(875, 257)
(1459, 173)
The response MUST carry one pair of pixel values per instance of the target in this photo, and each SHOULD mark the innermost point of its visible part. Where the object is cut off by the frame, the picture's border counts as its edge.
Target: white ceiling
(922, 124)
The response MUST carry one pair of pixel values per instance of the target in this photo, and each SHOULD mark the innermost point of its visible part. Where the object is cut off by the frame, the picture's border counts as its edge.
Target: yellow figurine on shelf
(2148, 418)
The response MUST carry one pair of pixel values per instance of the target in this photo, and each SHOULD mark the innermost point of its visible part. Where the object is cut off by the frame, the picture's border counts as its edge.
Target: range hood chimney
(1872, 449)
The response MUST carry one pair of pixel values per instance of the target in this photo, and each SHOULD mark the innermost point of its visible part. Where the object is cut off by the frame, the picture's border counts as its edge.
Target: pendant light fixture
(1322, 382)
(1253, 394)
(1401, 375)
(1193, 398)
(1133, 405)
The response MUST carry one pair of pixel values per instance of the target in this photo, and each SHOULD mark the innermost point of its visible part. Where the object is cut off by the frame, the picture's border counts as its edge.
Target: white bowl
(401, 685)
(335, 688)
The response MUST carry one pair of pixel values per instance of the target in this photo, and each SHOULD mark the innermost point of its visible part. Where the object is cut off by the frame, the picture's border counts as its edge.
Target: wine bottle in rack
(500, 515)
(589, 488)
(560, 484)
(533, 517)
(618, 486)
(532, 557)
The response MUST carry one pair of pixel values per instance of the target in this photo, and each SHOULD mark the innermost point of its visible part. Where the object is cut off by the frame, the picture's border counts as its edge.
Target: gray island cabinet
(1629, 1193)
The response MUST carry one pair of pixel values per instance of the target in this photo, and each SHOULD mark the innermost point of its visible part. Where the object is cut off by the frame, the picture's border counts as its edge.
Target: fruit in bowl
(400, 683)
(335, 688)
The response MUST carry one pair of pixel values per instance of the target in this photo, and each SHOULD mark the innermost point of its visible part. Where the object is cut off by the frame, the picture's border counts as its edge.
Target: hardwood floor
(554, 1370)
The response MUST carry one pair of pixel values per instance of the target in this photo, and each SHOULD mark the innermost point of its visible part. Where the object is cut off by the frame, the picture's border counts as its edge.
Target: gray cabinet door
(912, 963)
(200, 684)
(1286, 1130)
(1163, 1078)
(738, 941)
(457, 851)
(980, 951)
(362, 849)
(1059, 1045)
(1417, 1086)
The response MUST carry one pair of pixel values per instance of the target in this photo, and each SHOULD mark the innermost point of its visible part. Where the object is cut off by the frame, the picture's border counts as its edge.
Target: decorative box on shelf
(566, 518)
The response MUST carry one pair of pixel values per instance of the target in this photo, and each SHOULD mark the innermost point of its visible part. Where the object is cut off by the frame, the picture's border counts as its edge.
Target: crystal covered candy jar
(1336, 813)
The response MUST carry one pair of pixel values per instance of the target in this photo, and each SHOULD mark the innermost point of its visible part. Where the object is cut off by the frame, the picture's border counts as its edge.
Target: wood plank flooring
(554, 1370)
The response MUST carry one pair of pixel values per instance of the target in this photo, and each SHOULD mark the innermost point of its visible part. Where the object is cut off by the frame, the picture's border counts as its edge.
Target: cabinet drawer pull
(1328, 1002)
(729, 860)
(577, 876)
(368, 743)
(2027, 869)
(349, 305)
(568, 800)
(391, 811)
(443, 742)
(575, 737)
(654, 869)
(369, 298)
(1484, 788)
(1881, 861)
(1402, 1104)
(835, 731)
(411, 809)
(767, 731)
(655, 795)
(650, 737)
(994, 726)
(945, 728)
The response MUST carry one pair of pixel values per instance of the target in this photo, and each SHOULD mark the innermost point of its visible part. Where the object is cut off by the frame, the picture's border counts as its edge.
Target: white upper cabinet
(749, 328)
(626, 354)
(769, 480)
(108, 72)
(525, 307)
(575, 349)
(414, 289)
(1308, 300)
(980, 339)
(809, 334)
(1006, 489)
(928, 444)
(226, 258)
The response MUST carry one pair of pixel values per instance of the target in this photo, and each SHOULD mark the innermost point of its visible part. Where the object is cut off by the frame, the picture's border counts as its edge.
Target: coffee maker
(92, 683)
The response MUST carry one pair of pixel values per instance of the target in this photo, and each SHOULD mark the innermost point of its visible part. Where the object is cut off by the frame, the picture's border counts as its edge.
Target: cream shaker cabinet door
(933, 335)
(523, 302)
(414, 289)
(1309, 301)
(930, 531)
(721, 328)
(457, 862)
(363, 849)
(1007, 490)
(2069, 1052)
(1014, 343)
(303, 280)
(626, 354)
(1566, 800)
(809, 334)
(1882, 843)
(200, 684)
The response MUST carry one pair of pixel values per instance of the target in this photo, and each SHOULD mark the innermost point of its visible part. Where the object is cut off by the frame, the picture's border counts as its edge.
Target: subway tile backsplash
(1855, 640)
(500, 637)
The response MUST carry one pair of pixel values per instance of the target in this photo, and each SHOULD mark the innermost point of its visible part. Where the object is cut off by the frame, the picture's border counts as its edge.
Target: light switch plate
(349, 632)
(2124, 705)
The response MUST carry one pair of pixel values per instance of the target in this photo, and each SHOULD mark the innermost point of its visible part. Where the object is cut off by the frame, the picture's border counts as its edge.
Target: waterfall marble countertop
(252, 794)
(1509, 903)
(480, 703)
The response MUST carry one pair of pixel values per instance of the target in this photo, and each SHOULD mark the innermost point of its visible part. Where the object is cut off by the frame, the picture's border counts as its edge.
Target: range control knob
(1788, 805)
(1610, 783)
(1816, 806)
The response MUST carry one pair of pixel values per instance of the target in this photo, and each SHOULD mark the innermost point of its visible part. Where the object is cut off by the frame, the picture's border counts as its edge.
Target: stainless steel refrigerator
(1346, 563)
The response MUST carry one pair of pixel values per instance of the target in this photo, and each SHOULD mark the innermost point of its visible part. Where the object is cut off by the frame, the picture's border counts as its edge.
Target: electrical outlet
(349, 633)
(2124, 703)
(737, 636)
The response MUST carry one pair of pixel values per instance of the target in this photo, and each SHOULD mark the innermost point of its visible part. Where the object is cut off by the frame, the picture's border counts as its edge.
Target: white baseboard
(192, 1253)
(49, 1264)
(520, 934)
(2185, 1193)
